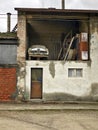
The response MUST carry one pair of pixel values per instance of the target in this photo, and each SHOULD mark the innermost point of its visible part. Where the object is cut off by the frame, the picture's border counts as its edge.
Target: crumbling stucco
(20, 79)
(52, 69)
(94, 89)
(56, 83)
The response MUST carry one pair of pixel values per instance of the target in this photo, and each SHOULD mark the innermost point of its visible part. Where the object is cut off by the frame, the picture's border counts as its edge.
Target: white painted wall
(94, 57)
(61, 83)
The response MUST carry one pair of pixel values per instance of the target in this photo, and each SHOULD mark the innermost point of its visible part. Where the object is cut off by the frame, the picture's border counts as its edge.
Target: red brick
(7, 83)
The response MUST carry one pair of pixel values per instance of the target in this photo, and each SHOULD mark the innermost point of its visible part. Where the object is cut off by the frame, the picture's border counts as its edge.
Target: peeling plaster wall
(56, 83)
(21, 53)
(56, 80)
(94, 58)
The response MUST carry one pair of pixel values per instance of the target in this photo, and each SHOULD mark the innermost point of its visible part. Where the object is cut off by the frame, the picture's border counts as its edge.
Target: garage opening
(58, 39)
(36, 83)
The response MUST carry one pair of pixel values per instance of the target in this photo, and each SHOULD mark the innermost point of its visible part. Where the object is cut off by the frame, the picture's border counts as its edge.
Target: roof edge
(55, 10)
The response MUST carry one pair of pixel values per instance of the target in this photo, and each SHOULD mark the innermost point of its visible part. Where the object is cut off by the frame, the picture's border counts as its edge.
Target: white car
(38, 51)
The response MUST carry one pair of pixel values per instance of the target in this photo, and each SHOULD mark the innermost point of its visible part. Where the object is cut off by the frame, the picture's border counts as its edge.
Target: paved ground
(46, 116)
(49, 120)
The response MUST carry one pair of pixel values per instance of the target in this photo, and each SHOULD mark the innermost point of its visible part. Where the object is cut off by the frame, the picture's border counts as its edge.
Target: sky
(9, 5)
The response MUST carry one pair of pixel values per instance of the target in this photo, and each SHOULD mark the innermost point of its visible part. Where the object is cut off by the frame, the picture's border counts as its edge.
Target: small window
(74, 72)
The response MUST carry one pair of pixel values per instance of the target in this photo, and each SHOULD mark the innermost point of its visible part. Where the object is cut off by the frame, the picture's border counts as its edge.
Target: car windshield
(38, 46)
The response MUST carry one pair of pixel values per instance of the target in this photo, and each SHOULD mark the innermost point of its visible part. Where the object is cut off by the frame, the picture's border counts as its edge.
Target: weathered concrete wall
(56, 83)
(21, 52)
(94, 57)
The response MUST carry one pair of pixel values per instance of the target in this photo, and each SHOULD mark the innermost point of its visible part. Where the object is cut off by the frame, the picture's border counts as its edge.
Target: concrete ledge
(47, 106)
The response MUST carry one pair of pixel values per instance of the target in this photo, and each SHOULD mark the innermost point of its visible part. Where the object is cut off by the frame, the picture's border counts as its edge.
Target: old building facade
(70, 71)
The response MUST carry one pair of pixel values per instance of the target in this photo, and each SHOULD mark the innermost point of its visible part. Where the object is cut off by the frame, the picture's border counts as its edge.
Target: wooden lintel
(53, 17)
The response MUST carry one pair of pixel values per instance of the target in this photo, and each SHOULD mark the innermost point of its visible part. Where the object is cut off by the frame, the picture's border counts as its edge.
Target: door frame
(41, 90)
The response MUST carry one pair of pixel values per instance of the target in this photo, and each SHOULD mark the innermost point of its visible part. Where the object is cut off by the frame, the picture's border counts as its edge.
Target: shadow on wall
(93, 96)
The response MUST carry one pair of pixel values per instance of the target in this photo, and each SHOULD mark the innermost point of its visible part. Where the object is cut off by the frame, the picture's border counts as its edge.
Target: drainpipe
(63, 4)
(8, 22)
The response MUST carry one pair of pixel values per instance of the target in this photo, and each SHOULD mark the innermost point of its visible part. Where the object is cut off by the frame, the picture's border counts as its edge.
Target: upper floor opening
(56, 34)
(63, 39)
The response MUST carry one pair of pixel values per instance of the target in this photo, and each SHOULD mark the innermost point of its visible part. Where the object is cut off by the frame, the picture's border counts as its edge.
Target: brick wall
(7, 83)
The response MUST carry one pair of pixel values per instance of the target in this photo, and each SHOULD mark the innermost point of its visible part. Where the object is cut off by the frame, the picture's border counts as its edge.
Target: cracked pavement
(49, 120)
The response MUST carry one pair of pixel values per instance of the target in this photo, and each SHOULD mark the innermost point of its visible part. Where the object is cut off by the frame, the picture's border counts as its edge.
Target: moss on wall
(8, 35)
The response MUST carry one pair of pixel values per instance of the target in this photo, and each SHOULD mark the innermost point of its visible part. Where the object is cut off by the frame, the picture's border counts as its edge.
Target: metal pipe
(63, 4)
(8, 22)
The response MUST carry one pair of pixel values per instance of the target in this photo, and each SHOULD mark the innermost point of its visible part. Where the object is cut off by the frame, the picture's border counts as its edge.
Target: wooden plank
(64, 43)
(68, 48)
